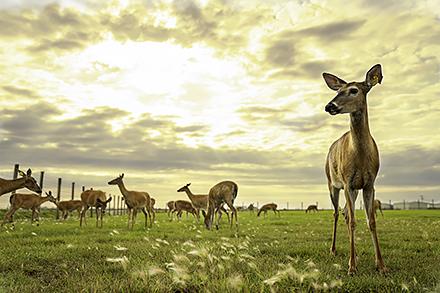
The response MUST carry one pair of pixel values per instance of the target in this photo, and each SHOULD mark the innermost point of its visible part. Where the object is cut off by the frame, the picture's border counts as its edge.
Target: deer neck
(11, 185)
(359, 130)
(190, 194)
(42, 200)
(123, 190)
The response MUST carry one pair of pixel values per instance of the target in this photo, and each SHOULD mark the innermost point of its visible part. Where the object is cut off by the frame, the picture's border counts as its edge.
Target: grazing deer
(152, 203)
(268, 207)
(94, 198)
(68, 206)
(377, 206)
(27, 202)
(312, 207)
(171, 207)
(134, 200)
(353, 160)
(200, 201)
(251, 208)
(223, 192)
(181, 206)
(26, 181)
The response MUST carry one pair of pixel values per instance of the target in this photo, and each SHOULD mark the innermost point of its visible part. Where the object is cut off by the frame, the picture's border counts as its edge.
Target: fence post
(58, 196)
(73, 190)
(287, 205)
(41, 179)
(15, 175)
(404, 204)
(302, 206)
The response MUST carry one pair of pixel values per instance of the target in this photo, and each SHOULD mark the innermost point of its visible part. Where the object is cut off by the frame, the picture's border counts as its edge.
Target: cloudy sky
(171, 92)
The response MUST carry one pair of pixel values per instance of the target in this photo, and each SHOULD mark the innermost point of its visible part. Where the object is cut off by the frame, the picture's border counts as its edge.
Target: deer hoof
(352, 271)
(382, 269)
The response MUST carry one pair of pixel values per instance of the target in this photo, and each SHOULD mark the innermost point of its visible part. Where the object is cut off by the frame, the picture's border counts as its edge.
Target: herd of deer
(352, 164)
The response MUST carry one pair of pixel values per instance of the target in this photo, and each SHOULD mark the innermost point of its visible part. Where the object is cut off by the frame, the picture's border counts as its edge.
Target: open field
(283, 254)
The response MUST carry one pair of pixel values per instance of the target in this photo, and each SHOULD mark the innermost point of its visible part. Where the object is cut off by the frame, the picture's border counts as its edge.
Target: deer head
(102, 204)
(184, 188)
(30, 182)
(50, 197)
(351, 97)
(117, 180)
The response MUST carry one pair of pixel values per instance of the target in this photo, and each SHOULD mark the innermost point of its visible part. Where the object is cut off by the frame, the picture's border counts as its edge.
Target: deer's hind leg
(334, 196)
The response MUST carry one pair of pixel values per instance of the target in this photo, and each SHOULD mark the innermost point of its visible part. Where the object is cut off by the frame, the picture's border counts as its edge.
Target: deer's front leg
(350, 197)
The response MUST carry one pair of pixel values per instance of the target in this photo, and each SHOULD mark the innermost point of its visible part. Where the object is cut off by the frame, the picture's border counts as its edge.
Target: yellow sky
(171, 92)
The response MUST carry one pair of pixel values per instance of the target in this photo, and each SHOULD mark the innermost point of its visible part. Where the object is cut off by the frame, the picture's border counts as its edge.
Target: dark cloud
(280, 54)
(18, 91)
(332, 31)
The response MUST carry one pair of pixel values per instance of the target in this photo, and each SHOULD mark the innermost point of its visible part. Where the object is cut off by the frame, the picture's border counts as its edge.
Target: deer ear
(333, 82)
(122, 176)
(188, 184)
(29, 172)
(109, 200)
(374, 76)
(22, 174)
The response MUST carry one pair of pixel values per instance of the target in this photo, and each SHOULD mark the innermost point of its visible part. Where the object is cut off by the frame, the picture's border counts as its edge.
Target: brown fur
(68, 206)
(181, 206)
(353, 160)
(312, 207)
(94, 198)
(223, 192)
(135, 200)
(26, 181)
(27, 202)
(268, 207)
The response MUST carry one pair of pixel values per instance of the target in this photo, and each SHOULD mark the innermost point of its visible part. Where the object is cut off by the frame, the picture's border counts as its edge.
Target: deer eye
(353, 91)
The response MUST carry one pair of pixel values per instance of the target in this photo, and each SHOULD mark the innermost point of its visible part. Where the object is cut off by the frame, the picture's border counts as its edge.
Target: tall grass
(276, 254)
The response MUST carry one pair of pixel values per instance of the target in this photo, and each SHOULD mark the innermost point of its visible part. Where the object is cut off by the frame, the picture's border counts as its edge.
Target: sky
(172, 92)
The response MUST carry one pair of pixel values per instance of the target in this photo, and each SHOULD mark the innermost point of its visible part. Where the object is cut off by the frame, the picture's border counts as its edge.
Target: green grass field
(285, 254)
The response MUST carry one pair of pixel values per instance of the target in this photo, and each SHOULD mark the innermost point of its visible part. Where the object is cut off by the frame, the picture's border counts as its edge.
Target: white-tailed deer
(170, 206)
(152, 203)
(268, 207)
(181, 206)
(27, 202)
(134, 200)
(377, 206)
(67, 206)
(26, 181)
(94, 198)
(200, 201)
(223, 192)
(312, 207)
(251, 208)
(353, 160)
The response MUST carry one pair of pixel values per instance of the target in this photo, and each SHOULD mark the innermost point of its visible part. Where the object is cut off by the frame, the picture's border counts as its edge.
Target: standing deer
(353, 160)
(251, 208)
(200, 201)
(27, 202)
(152, 203)
(68, 206)
(94, 198)
(312, 207)
(171, 207)
(26, 181)
(181, 206)
(223, 192)
(134, 200)
(377, 206)
(268, 207)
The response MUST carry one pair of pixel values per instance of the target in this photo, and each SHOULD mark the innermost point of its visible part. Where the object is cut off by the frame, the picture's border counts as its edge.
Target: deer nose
(330, 107)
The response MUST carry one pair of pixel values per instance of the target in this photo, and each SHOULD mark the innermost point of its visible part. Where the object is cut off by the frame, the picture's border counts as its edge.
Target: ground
(272, 254)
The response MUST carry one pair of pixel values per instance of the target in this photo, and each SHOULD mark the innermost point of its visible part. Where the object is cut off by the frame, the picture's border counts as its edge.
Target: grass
(285, 254)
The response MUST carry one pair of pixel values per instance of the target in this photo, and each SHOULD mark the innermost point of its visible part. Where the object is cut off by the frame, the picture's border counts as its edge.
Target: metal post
(41, 179)
(58, 196)
(73, 190)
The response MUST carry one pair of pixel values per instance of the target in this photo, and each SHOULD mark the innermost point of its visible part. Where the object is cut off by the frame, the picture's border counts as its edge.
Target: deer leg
(83, 215)
(334, 195)
(134, 213)
(368, 194)
(350, 197)
(97, 218)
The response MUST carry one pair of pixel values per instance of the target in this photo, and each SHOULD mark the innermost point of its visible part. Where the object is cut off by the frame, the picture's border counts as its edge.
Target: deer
(134, 200)
(94, 198)
(312, 207)
(352, 161)
(268, 207)
(152, 203)
(170, 207)
(222, 192)
(181, 206)
(26, 181)
(27, 202)
(68, 206)
(200, 201)
(377, 206)
(251, 208)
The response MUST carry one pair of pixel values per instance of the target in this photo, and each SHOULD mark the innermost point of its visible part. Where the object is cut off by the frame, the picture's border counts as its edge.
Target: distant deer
(134, 200)
(251, 208)
(27, 202)
(200, 201)
(152, 203)
(94, 198)
(312, 207)
(268, 207)
(68, 206)
(223, 192)
(170, 206)
(377, 206)
(26, 181)
(181, 206)
(353, 160)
